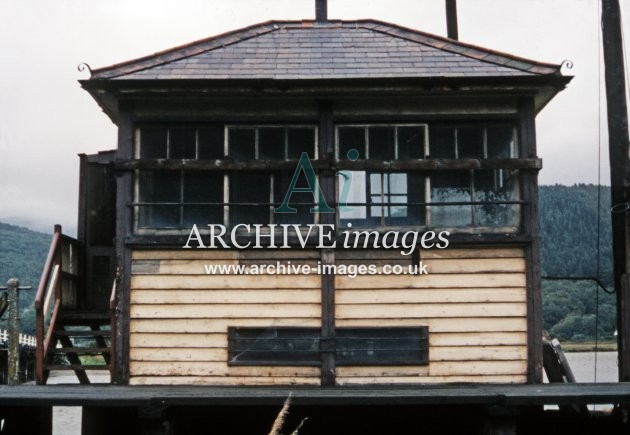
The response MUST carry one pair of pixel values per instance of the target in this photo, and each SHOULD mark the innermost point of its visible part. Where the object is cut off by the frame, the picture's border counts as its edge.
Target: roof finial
(321, 10)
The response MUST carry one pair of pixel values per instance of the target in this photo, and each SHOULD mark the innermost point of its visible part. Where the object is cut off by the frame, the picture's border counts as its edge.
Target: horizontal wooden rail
(333, 165)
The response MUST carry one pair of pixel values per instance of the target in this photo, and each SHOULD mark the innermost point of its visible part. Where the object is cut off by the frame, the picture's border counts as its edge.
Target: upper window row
(376, 142)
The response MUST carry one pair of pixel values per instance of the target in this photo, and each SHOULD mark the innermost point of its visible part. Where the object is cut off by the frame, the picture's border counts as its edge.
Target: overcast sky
(46, 119)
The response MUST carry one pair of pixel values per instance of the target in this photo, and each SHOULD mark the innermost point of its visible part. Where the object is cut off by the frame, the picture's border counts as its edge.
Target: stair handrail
(49, 289)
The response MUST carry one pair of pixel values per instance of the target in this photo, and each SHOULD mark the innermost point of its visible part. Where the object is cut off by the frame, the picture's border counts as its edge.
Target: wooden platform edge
(503, 395)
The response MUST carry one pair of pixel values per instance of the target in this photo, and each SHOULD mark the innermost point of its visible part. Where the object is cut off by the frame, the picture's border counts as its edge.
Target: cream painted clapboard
(474, 302)
(180, 315)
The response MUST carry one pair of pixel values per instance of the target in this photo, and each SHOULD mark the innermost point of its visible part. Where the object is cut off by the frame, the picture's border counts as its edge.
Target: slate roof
(287, 50)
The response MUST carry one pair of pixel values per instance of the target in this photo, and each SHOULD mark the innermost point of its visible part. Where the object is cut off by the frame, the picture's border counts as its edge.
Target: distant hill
(22, 255)
(568, 222)
(569, 248)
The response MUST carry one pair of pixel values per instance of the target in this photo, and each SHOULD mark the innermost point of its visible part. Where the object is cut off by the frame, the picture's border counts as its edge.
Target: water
(583, 366)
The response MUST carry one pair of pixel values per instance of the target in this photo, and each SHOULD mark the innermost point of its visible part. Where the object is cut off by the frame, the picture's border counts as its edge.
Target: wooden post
(618, 148)
(451, 19)
(14, 332)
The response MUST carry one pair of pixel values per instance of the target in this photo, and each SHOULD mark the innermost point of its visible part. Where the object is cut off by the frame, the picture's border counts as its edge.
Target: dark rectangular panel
(352, 346)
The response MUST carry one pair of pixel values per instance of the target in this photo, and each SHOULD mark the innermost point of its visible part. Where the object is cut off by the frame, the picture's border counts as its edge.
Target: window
(440, 198)
(479, 198)
(352, 346)
(177, 199)
(426, 175)
(374, 198)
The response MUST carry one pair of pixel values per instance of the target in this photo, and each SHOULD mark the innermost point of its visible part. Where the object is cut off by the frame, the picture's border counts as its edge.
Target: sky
(46, 119)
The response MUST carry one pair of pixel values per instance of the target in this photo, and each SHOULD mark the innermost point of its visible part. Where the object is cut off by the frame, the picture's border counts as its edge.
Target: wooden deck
(484, 395)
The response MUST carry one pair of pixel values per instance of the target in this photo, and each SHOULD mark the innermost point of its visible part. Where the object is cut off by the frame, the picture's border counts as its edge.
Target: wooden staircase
(81, 341)
(69, 338)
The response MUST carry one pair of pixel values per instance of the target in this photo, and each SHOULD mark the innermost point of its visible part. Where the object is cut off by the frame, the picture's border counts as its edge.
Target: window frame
(428, 221)
(226, 203)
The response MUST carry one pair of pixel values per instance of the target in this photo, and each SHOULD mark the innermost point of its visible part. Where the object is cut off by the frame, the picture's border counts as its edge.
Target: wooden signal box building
(404, 131)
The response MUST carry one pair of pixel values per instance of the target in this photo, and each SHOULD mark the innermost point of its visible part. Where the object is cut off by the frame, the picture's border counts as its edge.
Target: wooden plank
(467, 379)
(222, 380)
(462, 324)
(475, 265)
(478, 339)
(198, 267)
(430, 296)
(185, 254)
(225, 311)
(209, 368)
(371, 254)
(478, 353)
(225, 282)
(179, 354)
(464, 368)
(453, 310)
(278, 254)
(225, 297)
(213, 340)
(438, 368)
(464, 280)
(224, 254)
(476, 252)
(220, 325)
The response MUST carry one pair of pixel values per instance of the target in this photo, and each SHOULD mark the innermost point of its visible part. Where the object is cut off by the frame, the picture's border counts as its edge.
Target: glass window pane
(210, 143)
(271, 143)
(442, 142)
(500, 142)
(495, 186)
(411, 142)
(153, 143)
(252, 188)
(159, 186)
(382, 143)
(303, 202)
(448, 187)
(301, 140)
(351, 138)
(203, 187)
(182, 143)
(241, 143)
(352, 196)
(158, 216)
(470, 143)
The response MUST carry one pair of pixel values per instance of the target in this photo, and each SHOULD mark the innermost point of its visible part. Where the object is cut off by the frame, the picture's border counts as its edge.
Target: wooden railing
(58, 287)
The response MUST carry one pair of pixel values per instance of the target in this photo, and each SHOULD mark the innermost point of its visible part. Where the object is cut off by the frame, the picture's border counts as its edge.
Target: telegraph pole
(618, 148)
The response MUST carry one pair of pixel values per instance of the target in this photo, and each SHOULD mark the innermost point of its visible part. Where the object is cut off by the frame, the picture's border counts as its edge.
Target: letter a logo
(304, 165)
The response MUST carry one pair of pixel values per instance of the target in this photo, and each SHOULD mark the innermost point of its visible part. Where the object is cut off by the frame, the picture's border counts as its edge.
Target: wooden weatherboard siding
(180, 316)
(474, 302)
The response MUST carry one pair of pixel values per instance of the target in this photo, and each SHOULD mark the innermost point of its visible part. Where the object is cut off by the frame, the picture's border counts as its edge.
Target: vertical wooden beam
(531, 228)
(124, 217)
(618, 150)
(321, 10)
(13, 354)
(451, 19)
(82, 230)
(327, 183)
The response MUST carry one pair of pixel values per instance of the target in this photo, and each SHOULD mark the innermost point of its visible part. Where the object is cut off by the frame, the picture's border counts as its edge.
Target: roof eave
(107, 93)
